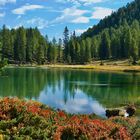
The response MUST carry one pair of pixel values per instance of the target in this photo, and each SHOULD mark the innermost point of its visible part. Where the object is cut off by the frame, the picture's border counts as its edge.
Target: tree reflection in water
(75, 91)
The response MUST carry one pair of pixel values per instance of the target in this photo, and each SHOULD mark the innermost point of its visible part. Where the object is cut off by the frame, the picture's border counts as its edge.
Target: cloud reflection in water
(80, 103)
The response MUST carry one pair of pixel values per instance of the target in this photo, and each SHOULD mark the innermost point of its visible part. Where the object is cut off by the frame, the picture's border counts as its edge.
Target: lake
(75, 91)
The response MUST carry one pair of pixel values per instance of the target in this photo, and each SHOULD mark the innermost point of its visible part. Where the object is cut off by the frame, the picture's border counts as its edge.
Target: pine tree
(82, 51)
(128, 43)
(60, 51)
(30, 45)
(54, 50)
(88, 50)
(66, 45)
(94, 47)
(20, 46)
(77, 52)
(114, 46)
(49, 53)
(40, 51)
(7, 46)
(134, 51)
(104, 50)
(134, 46)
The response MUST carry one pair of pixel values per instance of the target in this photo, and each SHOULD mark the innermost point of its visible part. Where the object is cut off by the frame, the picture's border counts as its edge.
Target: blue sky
(51, 16)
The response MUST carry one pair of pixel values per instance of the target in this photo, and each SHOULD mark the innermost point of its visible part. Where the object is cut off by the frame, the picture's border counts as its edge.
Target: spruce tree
(20, 46)
(7, 46)
(88, 50)
(66, 45)
(104, 50)
(60, 51)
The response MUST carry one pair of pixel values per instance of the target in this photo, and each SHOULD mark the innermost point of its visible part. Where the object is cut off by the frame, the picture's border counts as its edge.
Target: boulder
(124, 112)
(131, 110)
(112, 113)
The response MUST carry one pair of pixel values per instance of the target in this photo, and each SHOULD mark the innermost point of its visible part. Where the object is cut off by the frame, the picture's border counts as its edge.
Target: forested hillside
(127, 13)
(115, 37)
(112, 43)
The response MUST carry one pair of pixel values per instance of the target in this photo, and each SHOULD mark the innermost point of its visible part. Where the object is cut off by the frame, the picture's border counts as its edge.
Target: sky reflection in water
(75, 91)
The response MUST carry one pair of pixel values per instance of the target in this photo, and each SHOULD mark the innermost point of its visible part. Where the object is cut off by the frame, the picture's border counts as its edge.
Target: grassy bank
(108, 65)
(27, 120)
(97, 67)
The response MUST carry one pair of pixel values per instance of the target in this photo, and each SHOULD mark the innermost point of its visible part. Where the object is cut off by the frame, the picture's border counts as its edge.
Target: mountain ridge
(116, 19)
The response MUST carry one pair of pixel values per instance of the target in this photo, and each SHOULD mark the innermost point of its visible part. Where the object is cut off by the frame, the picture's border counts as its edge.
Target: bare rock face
(124, 112)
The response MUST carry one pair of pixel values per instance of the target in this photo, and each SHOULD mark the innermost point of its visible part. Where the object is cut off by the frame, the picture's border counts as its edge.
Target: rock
(124, 112)
(131, 110)
(112, 113)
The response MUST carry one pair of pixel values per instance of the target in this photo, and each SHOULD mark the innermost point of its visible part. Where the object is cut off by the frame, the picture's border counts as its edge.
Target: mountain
(115, 37)
(128, 13)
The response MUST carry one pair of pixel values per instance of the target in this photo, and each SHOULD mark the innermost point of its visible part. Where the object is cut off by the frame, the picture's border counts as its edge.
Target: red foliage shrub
(59, 124)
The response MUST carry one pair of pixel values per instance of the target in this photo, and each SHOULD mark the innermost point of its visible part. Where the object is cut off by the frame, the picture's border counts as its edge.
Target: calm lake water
(75, 91)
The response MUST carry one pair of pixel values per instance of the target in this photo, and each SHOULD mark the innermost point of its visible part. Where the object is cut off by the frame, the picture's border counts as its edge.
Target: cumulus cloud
(81, 19)
(3, 2)
(18, 25)
(101, 12)
(76, 15)
(22, 10)
(39, 22)
(80, 31)
(81, 2)
(88, 2)
(75, 2)
(2, 15)
(72, 15)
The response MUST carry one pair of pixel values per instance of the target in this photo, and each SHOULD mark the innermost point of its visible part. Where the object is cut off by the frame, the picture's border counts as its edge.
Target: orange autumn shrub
(21, 119)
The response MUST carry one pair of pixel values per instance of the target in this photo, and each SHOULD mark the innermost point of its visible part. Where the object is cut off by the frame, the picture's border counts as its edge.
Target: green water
(75, 91)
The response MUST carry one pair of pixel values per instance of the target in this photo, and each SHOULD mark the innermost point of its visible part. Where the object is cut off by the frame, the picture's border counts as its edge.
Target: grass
(109, 65)
(29, 120)
(97, 67)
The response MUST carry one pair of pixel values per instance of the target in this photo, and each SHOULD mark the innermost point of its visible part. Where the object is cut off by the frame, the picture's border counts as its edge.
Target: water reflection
(74, 91)
(80, 103)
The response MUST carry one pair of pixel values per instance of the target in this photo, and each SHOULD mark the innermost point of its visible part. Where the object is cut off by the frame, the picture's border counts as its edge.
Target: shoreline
(108, 68)
(97, 67)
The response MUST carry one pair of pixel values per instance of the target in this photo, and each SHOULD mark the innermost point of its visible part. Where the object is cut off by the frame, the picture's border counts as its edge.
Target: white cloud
(3, 2)
(2, 15)
(72, 15)
(81, 19)
(17, 26)
(19, 16)
(22, 10)
(79, 2)
(73, 11)
(88, 2)
(39, 22)
(8, 26)
(80, 31)
(74, 2)
(101, 12)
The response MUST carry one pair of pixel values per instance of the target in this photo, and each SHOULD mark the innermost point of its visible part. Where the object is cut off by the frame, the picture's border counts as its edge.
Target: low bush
(29, 120)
